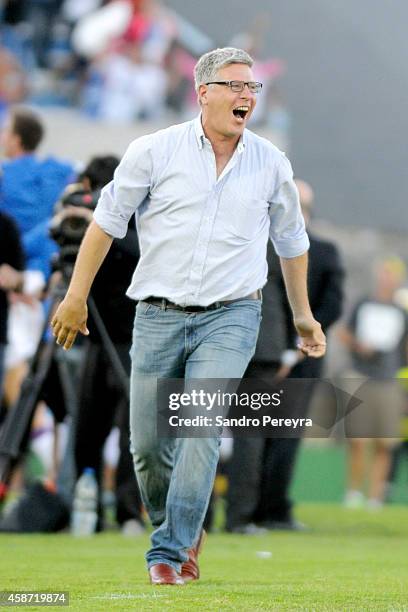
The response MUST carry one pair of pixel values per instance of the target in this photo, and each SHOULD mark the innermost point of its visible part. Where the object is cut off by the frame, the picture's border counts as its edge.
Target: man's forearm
(93, 250)
(312, 341)
(294, 272)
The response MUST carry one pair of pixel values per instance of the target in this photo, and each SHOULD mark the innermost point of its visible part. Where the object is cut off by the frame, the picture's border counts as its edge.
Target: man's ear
(15, 139)
(202, 95)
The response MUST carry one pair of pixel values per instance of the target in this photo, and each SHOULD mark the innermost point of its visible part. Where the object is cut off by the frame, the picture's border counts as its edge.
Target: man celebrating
(207, 194)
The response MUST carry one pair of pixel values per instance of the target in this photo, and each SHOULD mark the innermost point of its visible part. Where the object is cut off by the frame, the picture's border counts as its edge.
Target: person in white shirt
(207, 194)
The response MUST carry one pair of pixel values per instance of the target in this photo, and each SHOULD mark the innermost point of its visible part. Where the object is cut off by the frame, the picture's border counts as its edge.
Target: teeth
(243, 108)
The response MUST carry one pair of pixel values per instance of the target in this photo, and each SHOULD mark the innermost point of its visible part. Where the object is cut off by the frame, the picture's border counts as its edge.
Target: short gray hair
(210, 63)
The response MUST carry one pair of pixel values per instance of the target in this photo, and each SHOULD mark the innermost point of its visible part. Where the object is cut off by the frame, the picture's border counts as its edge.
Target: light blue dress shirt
(202, 239)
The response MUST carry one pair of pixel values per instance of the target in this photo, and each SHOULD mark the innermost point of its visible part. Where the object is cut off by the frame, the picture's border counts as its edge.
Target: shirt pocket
(244, 216)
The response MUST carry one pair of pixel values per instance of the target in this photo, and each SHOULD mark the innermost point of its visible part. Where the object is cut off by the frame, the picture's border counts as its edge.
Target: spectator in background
(245, 465)
(13, 81)
(400, 452)
(37, 35)
(151, 27)
(11, 277)
(261, 470)
(132, 89)
(325, 287)
(126, 78)
(42, 15)
(102, 400)
(271, 110)
(16, 33)
(29, 188)
(376, 335)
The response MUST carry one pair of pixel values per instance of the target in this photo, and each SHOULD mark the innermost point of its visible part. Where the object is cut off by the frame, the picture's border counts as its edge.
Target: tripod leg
(69, 375)
(16, 427)
(109, 347)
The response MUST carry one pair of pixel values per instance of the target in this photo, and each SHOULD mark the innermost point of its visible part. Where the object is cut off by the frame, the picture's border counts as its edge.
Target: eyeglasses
(238, 86)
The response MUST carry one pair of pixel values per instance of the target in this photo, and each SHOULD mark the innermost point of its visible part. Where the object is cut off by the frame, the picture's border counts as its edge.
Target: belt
(166, 304)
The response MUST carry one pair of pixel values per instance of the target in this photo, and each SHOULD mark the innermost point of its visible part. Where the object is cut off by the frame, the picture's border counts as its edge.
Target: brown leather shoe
(190, 569)
(161, 573)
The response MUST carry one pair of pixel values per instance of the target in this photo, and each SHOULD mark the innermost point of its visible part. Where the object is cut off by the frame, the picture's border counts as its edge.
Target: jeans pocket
(147, 311)
(255, 305)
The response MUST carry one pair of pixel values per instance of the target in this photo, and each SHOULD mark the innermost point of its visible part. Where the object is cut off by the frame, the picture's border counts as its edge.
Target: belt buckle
(193, 309)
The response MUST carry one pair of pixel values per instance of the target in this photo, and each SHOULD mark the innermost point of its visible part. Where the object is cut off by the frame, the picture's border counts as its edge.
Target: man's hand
(69, 319)
(312, 339)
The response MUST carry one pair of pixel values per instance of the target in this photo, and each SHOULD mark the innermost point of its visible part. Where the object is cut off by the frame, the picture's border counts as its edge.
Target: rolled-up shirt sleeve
(129, 188)
(287, 229)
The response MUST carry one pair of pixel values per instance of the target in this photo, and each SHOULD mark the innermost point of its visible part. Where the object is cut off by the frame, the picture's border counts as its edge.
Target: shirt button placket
(200, 251)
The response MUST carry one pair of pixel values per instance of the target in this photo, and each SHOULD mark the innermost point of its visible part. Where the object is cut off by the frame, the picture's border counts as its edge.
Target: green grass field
(349, 560)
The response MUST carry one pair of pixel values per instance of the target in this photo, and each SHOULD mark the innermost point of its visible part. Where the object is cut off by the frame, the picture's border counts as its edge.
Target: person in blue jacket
(29, 189)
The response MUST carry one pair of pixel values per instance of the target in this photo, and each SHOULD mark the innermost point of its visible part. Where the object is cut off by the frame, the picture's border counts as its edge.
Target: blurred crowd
(116, 60)
(132, 60)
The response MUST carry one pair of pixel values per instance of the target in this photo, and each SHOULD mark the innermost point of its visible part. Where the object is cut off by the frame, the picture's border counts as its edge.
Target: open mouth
(241, 112)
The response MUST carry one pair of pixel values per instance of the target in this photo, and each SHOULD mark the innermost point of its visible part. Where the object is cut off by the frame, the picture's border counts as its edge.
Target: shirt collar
(201, 137)
(198, 128)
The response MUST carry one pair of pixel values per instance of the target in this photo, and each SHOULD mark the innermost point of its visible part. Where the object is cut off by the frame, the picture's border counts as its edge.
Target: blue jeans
(176, 475)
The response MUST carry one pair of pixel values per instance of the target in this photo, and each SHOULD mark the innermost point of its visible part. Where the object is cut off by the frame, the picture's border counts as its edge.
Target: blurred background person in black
(326, 295)
(11, 277)
(261, 470)
(102, 401)
(244, 467)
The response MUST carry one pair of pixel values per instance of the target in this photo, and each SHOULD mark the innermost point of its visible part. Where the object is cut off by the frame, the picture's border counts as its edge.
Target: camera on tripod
(69, 224)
